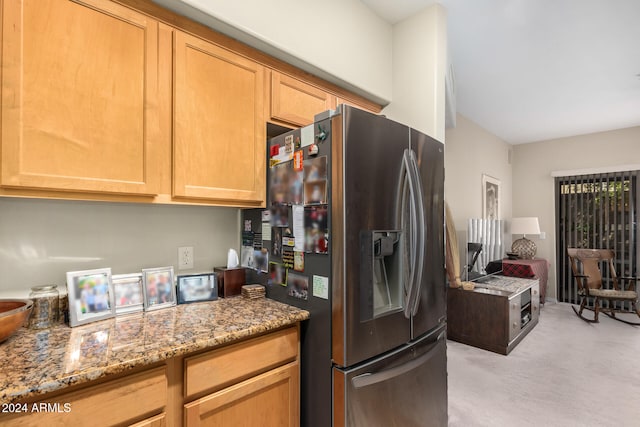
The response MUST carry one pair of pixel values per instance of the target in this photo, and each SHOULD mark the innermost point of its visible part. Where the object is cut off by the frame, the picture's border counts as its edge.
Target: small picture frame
(90, 296)
(158, 288)
(197, 288)
(128, 294)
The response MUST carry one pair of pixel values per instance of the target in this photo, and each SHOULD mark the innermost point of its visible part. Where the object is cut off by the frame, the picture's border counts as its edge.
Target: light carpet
(566, 372)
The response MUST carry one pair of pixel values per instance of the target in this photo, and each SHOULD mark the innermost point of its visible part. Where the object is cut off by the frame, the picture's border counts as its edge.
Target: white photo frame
(128, 294)
(491, 197)
(158, 287)
(90, 295)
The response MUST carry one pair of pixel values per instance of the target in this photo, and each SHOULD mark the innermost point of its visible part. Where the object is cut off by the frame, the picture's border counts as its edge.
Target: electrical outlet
(185, 257)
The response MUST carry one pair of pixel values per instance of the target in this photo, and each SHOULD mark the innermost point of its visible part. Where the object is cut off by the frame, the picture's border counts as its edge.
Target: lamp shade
(525, 225)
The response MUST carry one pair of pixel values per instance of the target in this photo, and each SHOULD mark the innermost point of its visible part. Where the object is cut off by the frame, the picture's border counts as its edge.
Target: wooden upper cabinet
(296, 102)
(219, 148)
(80, 97)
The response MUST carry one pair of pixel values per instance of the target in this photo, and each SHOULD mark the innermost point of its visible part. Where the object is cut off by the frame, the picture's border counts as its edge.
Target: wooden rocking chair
(585, 265)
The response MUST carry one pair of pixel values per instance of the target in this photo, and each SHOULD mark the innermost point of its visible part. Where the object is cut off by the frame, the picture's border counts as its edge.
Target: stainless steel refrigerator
(356, 237)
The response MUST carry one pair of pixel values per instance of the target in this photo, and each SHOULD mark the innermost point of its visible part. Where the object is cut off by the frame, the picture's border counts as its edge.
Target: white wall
(534, 192)
(341, 41)
(40, 240)
(471, 151)
(419, 68)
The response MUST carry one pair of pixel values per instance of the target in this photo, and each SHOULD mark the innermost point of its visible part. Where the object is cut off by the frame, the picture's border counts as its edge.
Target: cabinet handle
(535, 292)
(515, 325)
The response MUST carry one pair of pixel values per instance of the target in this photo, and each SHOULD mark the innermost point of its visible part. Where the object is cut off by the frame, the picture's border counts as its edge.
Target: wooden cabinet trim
(157, 421)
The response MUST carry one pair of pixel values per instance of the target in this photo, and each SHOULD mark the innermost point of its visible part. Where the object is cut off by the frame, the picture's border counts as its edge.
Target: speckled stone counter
(508, 284)
(35, 362)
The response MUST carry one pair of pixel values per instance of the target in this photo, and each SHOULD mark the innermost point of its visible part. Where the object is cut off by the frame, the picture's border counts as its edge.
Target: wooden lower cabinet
(249, 383)
(270, 399)
(121, 401)
(255, 382)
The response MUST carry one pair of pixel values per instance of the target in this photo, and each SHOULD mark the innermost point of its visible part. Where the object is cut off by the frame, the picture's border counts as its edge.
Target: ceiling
(532, 70)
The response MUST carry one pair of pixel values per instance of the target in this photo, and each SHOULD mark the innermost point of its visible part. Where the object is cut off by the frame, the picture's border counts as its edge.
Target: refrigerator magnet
(287, 259)
(321, 287)
(298, 261)
(306, 136)
(298, 160)
(313, 150)
(298, 286)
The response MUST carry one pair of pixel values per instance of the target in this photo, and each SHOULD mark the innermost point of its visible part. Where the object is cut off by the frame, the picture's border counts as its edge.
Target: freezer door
(369, 272)
(405, 388)
(431, 309)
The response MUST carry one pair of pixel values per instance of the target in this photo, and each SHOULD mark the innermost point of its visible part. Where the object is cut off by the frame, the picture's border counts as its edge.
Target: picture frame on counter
(128, 294)
(197, 288)
(158, 288)
(90, 295)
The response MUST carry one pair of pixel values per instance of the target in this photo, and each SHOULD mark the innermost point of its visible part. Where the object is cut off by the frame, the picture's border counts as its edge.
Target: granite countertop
(513, 285)
(33, 362)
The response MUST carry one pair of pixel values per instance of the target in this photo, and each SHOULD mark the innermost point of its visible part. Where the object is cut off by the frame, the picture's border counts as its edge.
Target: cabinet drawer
(221, 368)
(119, 401)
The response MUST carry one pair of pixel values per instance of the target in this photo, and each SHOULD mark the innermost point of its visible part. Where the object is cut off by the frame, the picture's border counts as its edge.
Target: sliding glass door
(599, 212)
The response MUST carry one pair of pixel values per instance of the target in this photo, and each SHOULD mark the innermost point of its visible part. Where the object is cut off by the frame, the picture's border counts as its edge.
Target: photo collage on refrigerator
(296, 222)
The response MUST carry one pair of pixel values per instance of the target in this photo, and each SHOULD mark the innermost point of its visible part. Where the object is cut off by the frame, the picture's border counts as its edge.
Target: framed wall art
(490, 197)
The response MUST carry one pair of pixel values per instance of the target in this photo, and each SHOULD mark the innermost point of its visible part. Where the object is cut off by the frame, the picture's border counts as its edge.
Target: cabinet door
(219, 149)
(296, 102)
(116, 402)
(79, 97)
(270, 399)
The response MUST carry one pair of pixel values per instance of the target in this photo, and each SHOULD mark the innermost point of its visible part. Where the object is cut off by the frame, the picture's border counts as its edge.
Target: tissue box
(230, 280)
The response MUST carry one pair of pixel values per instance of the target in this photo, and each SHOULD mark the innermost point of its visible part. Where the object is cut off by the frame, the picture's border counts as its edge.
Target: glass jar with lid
(45, 306)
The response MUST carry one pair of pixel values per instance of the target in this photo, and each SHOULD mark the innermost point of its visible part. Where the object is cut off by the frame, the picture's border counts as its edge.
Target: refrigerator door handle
(367, 379)
(422, 233)
(416, 234)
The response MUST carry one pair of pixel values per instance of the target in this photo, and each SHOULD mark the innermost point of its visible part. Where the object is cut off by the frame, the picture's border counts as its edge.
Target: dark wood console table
(496, 315)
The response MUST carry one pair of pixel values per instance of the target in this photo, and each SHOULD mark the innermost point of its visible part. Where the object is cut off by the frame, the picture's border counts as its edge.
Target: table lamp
(524, 247)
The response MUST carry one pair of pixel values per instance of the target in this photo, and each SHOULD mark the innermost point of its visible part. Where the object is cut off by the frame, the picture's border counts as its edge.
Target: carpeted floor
(566, 372)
